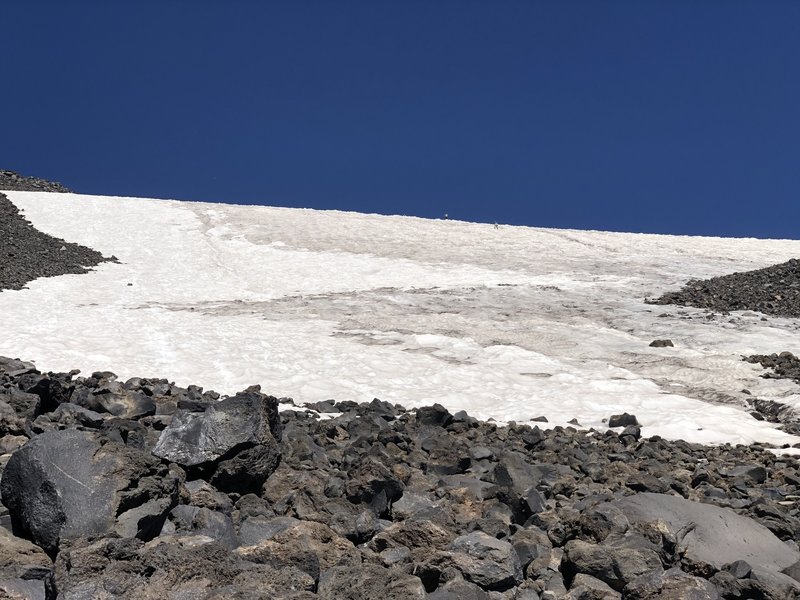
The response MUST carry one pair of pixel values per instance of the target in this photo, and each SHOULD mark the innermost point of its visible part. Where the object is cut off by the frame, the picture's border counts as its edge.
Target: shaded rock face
(229, 499)
(29, 254)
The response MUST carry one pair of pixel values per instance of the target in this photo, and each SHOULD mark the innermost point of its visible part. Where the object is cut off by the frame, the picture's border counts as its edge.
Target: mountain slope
(508, 322)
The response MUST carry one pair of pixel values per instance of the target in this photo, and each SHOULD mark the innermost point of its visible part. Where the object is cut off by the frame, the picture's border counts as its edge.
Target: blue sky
(667, 117)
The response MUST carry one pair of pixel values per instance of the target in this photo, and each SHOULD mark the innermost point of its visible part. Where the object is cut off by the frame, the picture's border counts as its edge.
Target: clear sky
(668, 117)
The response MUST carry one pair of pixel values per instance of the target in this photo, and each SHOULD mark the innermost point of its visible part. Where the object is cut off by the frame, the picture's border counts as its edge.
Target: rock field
(773, 291)
(141, 489)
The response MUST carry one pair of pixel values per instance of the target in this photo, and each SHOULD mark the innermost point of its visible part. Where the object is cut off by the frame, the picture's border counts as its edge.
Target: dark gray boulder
(612, 565)
(369, 582)
(672, 584)
(14, 367)
(623, 420)
(237, 423)
(24, 404)
(70, 483)
(23, 589)
(10, 422)
(20, 560)
(248, 470)
(710, 535)
(486, 561)
(586, 587)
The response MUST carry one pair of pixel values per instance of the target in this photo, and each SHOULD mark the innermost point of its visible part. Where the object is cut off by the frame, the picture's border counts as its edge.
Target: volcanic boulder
(233, 442)
(69, 484)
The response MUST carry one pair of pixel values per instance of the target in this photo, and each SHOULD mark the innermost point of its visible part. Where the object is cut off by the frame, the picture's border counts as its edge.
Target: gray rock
(411, 503)
(10, 422)
(22, 560)
(586, 587)
(710, 535)
(488, 562)
(191, 520)
(22, 589)
(436, 415)
(11, 443)
(71, 414)
(233, 424)
(369, 582)
(458, 589)
(24, 404)
(672, 584)
(248, 470)
(602, 520)
(145, 521)
(533, 548)
(309, 546)
(612, 565)
(14, 367)
(623, 420)
(204, 495)
(779, 585)
(754, 473)
(661, 344)
(254, 530)
(68, 484)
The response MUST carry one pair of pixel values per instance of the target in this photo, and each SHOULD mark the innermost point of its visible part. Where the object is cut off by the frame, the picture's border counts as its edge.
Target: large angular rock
(10, 422)
(248, 470)
(26, 405)
(672, 584)
(368, 582)
(231, 425)
(612, 565)
(486, 561)
(15, 367)
(710, 535)
(69, 484)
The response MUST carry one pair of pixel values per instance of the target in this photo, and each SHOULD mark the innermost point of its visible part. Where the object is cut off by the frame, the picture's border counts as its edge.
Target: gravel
(9, 180)
(27, 254)
(773, 291)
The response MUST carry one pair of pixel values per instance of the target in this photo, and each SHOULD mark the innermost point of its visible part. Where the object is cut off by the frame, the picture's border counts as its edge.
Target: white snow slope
(507, 323)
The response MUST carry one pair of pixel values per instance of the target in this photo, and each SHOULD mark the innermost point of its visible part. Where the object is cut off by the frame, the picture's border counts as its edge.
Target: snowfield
(509, 323)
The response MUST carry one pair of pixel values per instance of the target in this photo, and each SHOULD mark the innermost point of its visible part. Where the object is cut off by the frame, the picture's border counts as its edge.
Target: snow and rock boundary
(9, 180)
(773, 290)
(28, 254)
(148, 490)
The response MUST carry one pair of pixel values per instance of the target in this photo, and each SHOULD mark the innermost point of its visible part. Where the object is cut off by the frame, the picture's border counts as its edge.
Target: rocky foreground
(142, 489)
